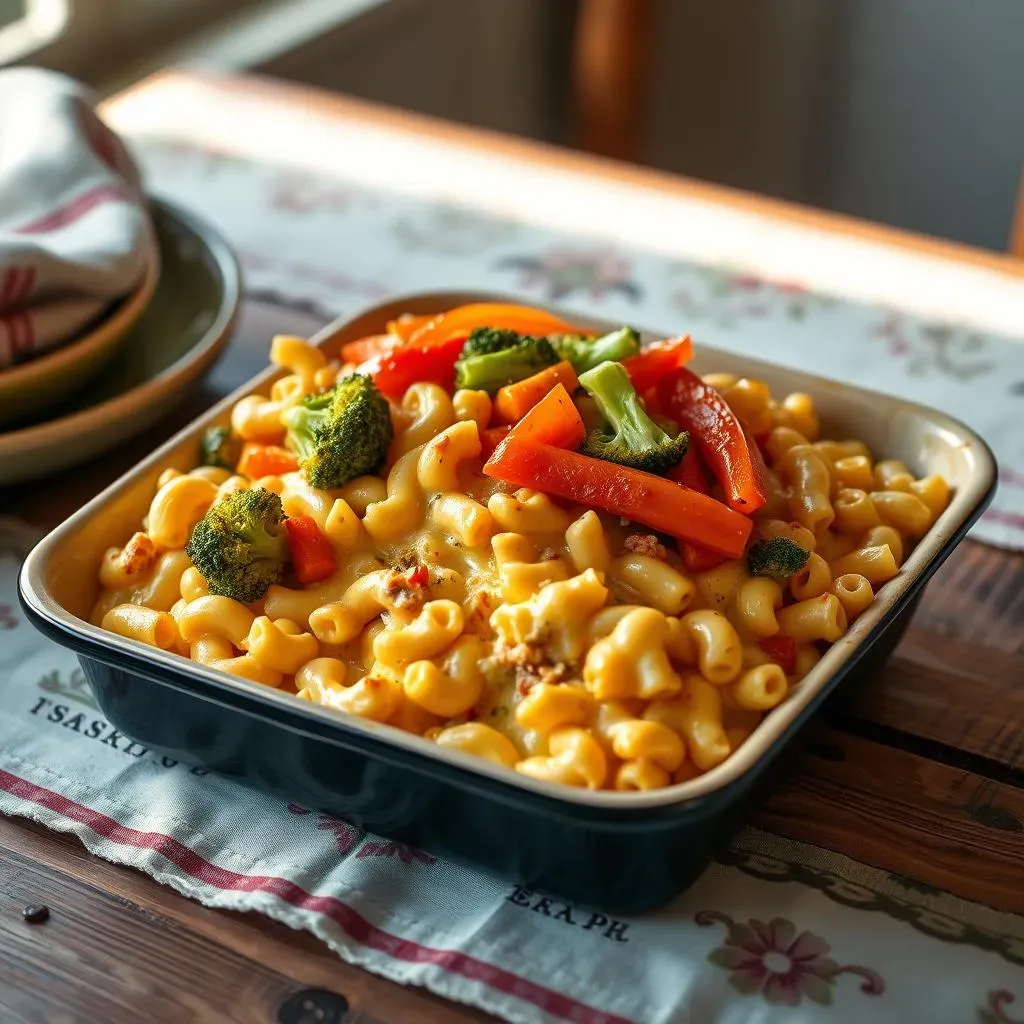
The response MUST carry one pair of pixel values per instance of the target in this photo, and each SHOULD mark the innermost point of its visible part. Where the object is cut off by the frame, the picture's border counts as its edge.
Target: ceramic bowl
(182, 330)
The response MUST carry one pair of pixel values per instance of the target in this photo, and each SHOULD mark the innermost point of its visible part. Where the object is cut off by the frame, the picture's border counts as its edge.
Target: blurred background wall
(904, 111)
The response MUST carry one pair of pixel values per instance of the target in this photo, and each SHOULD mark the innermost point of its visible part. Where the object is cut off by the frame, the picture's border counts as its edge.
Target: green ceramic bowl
(180, 333)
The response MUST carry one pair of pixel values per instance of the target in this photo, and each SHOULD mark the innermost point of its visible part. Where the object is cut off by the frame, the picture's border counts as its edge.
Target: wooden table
(921, 772)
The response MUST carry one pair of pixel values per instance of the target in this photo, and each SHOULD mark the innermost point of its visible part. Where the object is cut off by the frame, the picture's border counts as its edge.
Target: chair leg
(611, 62)
(1017, 230)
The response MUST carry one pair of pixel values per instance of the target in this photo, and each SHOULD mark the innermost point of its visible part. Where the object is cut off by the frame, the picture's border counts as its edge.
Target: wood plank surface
(942, 825)
(957, 678)
(120, 949)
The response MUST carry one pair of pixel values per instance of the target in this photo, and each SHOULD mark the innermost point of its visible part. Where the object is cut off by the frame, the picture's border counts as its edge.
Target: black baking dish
(621, 852)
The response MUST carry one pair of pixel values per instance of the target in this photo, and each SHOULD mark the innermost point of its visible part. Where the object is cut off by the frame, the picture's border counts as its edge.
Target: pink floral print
(773, 961)
(934, 349)
(449, 230)
(728, 297)
(994, 1011)
(388, 848)
(74, 687)
(300, 193)
(562, 271)
(348, 838)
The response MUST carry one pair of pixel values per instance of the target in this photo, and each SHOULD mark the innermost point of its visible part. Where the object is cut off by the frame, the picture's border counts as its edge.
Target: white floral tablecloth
(776, 931)
(329, 245)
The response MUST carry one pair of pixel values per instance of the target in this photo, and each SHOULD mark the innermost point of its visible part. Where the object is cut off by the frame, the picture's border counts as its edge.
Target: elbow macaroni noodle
(536, 637)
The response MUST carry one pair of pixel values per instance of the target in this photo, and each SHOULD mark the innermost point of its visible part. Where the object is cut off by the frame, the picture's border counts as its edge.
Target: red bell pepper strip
(691, 473)
(361, 349)
(620, 490)
(648, 367)
(781, 649)
(394, 372)
(554, 420)
(312, 555)
(718, 434)
(266, 460)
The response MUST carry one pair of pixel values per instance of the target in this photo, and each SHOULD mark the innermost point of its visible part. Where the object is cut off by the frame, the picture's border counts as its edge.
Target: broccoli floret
(492, 358)
(484, 341)
(239, 546)
(342, 433)
(629, 436)
(221, 448)
(778, 557)
(585, 353)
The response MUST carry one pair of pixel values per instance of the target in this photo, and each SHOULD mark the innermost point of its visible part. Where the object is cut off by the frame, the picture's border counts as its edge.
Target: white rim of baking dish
(772, 728)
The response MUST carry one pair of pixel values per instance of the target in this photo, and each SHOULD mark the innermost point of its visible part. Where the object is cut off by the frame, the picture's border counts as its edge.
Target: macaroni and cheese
(520, 578)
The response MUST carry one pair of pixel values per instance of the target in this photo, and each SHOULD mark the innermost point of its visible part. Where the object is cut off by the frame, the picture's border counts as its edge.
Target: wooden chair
(611, 60)
(1017, 231)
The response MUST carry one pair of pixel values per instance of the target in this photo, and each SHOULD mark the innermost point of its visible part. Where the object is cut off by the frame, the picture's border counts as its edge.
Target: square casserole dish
(622, 852)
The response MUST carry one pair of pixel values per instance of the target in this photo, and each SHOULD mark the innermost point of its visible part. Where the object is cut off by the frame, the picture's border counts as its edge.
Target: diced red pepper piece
(648, 367)
(691, 473)
(312, 555)
(781, 649)
(699, 559)
(718, 434)
(620, 490)
(395, 372)
(419, 576)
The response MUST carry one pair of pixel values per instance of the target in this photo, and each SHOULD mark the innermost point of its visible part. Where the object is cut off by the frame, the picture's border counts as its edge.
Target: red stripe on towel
(25, 284)
(10, 283)
(76, 208)
(1014, 520)
(26, 334)
(349, 920)
(20, 334)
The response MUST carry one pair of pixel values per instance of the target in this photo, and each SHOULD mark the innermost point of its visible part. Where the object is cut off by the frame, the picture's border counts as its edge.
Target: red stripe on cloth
(25, 285)
(77, 208)
(12, 347)
(20, 333)
(17, 323)
(1009, 476)
(1015, 520)
(26, 333)
(10, 283)
(348, 919)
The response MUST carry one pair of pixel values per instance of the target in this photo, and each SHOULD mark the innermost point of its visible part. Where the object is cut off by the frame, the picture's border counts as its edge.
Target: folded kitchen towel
(75, 234)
